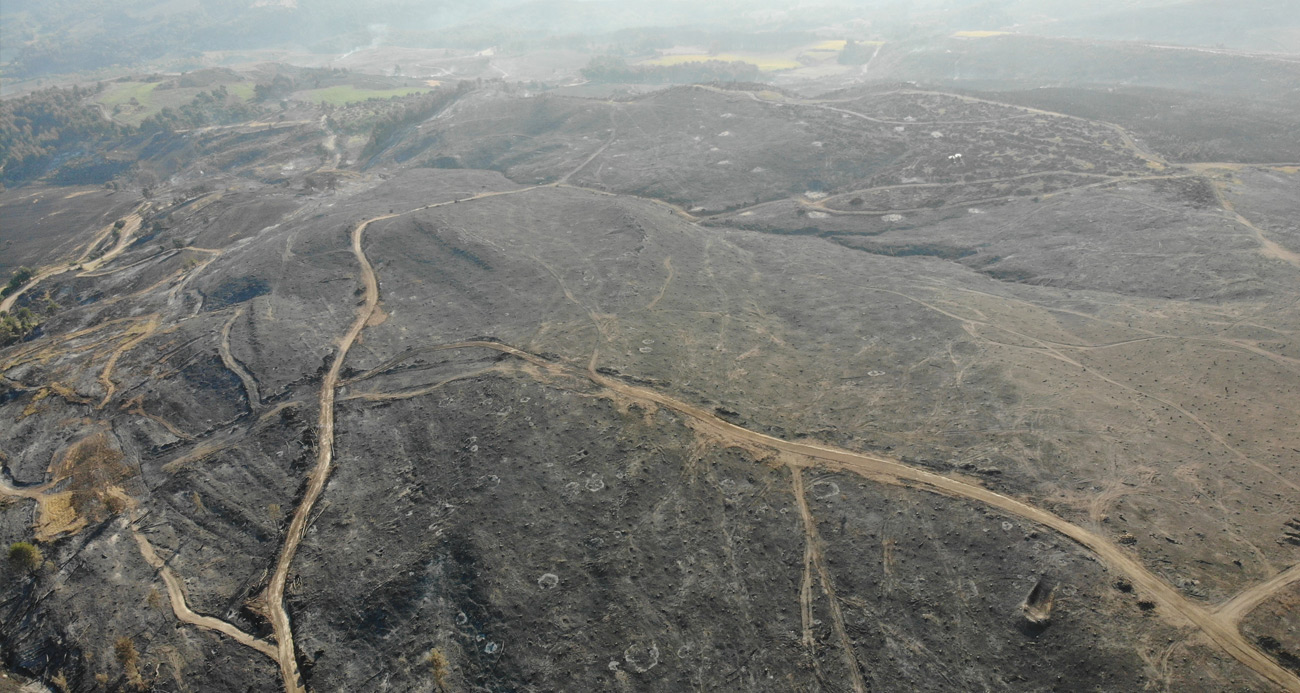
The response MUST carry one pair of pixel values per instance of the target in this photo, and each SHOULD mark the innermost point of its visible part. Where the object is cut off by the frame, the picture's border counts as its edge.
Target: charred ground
(595, 353)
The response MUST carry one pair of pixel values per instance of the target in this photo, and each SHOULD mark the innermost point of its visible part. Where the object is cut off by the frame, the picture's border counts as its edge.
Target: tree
(20, 276)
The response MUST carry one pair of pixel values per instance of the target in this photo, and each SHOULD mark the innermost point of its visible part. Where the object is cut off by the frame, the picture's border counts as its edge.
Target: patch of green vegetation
(20, 277)
(34, 128)
(123, 92)
(857, 52)
(216, 107)
(243, 90)
(14, 326)
(346, 94)
(829, 46)
(156, 102)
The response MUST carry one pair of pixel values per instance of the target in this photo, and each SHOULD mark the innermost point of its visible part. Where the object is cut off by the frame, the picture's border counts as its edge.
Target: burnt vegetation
(544, 378)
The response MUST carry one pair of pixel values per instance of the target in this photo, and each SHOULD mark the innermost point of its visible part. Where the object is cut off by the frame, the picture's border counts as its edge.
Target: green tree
(20, 277)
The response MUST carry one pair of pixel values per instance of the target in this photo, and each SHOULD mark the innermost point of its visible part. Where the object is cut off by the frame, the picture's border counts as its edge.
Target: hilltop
(340, 382)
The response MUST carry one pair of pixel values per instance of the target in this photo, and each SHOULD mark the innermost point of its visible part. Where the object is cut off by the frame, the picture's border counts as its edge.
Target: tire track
(813, 558)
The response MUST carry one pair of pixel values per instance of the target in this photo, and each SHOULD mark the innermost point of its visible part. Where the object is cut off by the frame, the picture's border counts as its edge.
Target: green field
(150, 99)
(122, 92)
(346, 94)
(243, 90)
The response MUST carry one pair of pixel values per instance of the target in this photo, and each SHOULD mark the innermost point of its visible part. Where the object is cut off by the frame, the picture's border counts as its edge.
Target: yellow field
(766, 63)
(828, 46)
(838, 46)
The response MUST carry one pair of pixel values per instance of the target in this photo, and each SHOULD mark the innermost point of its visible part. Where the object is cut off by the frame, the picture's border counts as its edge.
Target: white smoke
(378, 32)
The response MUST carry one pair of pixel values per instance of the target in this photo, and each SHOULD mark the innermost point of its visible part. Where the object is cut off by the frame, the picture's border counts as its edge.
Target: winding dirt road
(175, 588)
(279, 616)
(124, 237)
(176, 595)
(320, 473)
(1219, 626)
(250, 383)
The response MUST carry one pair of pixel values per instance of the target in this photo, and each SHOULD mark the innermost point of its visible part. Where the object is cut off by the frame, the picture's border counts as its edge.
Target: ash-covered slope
(551, 427)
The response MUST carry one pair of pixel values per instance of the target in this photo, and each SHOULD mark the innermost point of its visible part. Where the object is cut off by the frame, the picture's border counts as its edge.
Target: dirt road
(1237, 608)
(175, 589)
(813, 558)
(1219, 627)
(320, 473)
(124, 236)
(32, 493)
(250, 383)
(325, 451)
(176, 594)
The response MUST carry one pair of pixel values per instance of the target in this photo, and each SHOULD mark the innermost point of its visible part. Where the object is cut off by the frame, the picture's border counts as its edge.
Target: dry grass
(56, 516)
(438, 664)
(345, 94)
(94, 470)
(124, 649)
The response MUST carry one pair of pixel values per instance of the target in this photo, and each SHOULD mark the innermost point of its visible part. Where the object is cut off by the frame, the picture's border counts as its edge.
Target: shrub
(438, 663)
(124, 648)
(25, 555)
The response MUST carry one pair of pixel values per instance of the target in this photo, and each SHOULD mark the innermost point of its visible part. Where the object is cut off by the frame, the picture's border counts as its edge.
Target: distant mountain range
(64, 36)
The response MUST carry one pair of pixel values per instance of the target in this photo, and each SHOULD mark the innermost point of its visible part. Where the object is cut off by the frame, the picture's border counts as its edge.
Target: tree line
(611, 68)
(35, 126)
(61, 126)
